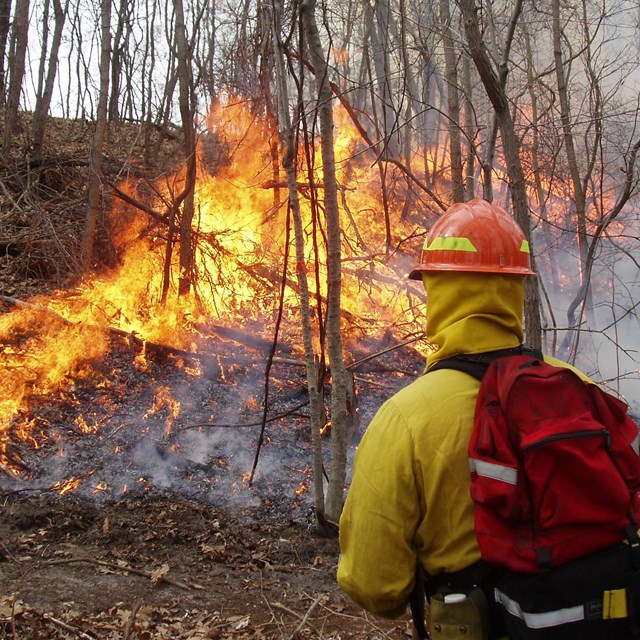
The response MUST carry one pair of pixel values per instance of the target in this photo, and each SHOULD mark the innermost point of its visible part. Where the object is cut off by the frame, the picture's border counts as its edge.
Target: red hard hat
(475, 236)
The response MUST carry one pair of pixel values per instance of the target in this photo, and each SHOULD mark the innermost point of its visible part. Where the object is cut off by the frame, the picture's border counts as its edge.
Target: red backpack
(555, 470)
(555, 478)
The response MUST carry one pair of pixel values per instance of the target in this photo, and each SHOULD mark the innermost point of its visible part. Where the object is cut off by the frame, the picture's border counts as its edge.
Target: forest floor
(157, 568)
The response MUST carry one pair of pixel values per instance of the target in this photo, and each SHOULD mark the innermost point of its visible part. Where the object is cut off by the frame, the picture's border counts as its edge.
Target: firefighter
(408, 521)
(409, 504)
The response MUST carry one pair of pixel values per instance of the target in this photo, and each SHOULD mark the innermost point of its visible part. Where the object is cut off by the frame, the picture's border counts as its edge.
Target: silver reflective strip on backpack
(493, 471)
(540, 620)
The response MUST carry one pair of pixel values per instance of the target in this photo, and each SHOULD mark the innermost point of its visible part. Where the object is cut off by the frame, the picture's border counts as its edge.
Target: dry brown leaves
(154, 569)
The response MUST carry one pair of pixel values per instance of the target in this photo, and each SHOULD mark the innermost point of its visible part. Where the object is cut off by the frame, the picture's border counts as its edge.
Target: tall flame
(240, 228)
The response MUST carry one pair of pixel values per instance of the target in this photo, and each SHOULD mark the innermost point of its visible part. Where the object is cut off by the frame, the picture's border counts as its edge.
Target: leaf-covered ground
(156, 568)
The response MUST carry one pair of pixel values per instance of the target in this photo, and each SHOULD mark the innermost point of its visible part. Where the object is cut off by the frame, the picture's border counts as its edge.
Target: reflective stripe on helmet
(449, 243)
(459, 244)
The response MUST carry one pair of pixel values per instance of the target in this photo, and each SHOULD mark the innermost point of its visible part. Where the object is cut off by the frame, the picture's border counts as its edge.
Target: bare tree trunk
(569, 146)
(289, 164)
(116, 60)
(494, 87)
(469, 128)
(206, 54)
(266, 73)
(338, 464)
(94, 190)
(17, 62)
(5, 23)
(44, 97)
(579, 182)
(453, 103)
(186, 101)
(44, 39)
(378, 32)
(149, 64)
(538, 171)
(163, 115)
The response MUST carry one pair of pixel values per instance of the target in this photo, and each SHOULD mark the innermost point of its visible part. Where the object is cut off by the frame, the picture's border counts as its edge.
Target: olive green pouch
(467, 619)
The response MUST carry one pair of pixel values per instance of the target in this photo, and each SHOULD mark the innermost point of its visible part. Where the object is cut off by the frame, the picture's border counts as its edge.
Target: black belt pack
(588, 599)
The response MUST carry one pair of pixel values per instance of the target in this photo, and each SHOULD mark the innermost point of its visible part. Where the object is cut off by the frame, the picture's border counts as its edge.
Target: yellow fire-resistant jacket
(409, 498)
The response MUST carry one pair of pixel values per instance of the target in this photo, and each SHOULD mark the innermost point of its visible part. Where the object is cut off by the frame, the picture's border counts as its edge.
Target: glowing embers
(164, 402)
(67, 485)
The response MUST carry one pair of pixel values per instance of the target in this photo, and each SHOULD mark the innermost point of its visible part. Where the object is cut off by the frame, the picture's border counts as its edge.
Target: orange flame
(239, 258)
(66, 486)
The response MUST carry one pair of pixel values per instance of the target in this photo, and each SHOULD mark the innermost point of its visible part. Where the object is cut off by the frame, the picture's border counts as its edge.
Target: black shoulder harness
(476, 364)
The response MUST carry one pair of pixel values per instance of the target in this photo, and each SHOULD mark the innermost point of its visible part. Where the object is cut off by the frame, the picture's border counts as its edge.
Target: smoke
(191, 437)
(608, 330)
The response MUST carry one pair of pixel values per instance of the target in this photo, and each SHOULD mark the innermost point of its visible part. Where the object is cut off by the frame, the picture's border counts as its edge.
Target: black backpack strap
(417, 601)
(476, 364)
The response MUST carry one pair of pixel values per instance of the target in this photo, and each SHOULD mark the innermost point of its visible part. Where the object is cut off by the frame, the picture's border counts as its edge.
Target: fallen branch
(15, 302)
(305, 619)
(128, 569)
(131, 621)
(295, 614)
(4, 469)
(355, 365)
(164, 349)
(248, 424)
(363, 617)
(68, 627)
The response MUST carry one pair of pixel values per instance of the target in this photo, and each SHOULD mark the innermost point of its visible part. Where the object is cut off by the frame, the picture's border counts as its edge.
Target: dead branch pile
(43, 200)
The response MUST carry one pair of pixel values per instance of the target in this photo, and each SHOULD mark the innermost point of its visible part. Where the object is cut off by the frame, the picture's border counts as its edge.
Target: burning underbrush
(145, 419)
(136, 500)
(123, 383)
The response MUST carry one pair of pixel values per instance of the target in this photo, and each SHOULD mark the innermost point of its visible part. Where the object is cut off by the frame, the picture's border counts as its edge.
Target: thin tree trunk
(579, 182)
(17, 62)
(5, 23)
(569, 146)
(186, 100)
(378, 32)
(469, 128)
(44, 100)
(338, 464)
(494, 86)
(149, 66)
(453, 103)
(549, 253)
(116, 61)
(94, 191)
(289, 164)
(266, 72)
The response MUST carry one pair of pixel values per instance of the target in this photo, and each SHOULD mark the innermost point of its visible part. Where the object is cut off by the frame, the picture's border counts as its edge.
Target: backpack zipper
(604, 433)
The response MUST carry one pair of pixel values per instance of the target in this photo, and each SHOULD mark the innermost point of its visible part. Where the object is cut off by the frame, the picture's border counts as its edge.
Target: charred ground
(132, 530)
(190, 549)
